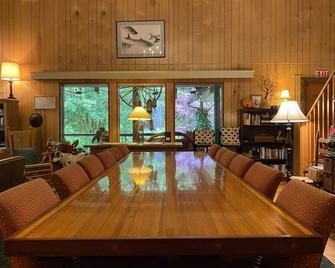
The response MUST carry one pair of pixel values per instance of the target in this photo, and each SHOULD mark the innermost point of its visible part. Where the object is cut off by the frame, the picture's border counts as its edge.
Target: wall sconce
(10, 71)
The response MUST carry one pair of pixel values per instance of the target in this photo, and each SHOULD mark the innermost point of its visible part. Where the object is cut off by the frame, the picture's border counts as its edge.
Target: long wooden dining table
(165, 204)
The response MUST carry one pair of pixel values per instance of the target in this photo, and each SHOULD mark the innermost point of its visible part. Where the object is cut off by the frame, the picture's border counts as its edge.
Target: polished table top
(165, 203)
(135, 144)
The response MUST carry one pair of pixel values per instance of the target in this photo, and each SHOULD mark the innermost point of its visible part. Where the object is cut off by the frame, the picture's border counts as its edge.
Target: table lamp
(289, 112)
(10, 71)
(139, 114)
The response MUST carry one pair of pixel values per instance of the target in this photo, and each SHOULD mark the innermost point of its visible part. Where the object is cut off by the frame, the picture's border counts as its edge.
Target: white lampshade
(10, 71)
(139, 113)
(285, 94)
(289, 112)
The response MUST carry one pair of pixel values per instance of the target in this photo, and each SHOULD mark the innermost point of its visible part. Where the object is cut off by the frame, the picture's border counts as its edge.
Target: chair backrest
(219, 153)
(315, 209)
(263, 178)
(69, 179)
(11, 172)
(213, 150)
(25, 203)
(116, 152)
(92, 166)
(124, 149)
(21, 205)
(20, 138)
(106, 158)
(226, 158)
(240, 165)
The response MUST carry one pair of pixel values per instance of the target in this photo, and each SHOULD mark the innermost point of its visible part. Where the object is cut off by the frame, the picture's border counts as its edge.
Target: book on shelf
(251, 119)
(272, 153)
(281, 168)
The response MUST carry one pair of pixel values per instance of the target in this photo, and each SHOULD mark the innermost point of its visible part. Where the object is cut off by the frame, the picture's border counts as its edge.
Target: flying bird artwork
(140, 39)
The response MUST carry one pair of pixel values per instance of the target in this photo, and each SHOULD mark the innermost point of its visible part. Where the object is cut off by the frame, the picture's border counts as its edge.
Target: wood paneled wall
(278, 38)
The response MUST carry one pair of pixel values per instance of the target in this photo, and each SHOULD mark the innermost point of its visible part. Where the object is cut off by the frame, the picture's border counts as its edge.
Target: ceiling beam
(122, 75)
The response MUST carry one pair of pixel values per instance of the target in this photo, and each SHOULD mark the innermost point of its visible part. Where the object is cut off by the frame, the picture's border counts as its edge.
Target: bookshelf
(9, 117)
(262, 140)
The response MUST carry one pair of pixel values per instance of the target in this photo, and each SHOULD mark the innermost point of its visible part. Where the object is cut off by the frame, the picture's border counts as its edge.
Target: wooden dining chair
(263, 178)
(69, 179)
(240, 165)
(219, 153)
(20, 206)
(213, 150)
(117, 153)
(226, 158)
(315, 209)
(124, 149)
(107, 159)
(92, 166)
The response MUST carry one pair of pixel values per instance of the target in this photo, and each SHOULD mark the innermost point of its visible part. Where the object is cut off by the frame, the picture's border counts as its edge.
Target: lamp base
(11, 95)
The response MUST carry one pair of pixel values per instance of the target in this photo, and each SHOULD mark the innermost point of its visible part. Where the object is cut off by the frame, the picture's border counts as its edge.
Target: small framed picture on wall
(256, 101)
(44, 102)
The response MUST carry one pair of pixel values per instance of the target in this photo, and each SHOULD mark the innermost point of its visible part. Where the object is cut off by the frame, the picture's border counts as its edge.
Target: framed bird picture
(140, 39)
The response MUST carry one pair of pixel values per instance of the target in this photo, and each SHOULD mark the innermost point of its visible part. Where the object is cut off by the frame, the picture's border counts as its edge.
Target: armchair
(22, 143)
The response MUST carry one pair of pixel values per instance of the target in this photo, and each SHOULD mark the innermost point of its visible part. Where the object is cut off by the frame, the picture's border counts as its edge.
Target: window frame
(130, 84)
(61, 104)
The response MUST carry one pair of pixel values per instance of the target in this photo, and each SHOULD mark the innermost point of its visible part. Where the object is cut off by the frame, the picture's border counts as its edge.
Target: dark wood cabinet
(262, 140)
(9, 118)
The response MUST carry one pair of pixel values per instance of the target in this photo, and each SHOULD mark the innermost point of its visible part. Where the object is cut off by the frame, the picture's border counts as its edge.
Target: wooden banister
(321, 118)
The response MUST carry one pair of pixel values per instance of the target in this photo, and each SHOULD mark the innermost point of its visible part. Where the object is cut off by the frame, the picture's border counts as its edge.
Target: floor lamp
(289, 112)
(138, 115)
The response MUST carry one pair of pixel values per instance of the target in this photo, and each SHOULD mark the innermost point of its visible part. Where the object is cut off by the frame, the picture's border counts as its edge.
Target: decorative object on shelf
(10, 71)
(246, 102)
(230, 136)
(140, 39)
(44, 102)
(289, 112)
(256, 101)
(35, 120)
(138, 115)
(101, 135)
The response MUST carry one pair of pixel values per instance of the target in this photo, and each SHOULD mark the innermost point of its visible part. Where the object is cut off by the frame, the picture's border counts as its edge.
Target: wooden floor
(330, 247)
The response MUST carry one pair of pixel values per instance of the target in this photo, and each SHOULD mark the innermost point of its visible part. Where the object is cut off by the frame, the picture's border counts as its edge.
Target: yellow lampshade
(139, 174)
(285, 94)
(139, 113)
(10, 71)
(289, 112)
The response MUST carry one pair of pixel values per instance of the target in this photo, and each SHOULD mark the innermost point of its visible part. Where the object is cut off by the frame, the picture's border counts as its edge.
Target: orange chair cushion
(226, 158)
(240, 165)
(315, 209)
(116, 152)
(124, 149)
(213, 150)
(219, 153)
(106, 158)
(264, 179)
(25, 203)
(92, 166)
(69, 180)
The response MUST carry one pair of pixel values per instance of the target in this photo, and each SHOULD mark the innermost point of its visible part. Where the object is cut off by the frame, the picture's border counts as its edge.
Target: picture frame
(256, 101)
(140, 39)
(44, 102)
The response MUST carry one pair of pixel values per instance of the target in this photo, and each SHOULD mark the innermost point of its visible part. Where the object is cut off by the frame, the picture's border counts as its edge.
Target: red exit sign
(321, 72)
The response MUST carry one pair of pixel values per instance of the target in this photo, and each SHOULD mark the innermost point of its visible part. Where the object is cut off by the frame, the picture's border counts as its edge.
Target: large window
(85, 111)
(197, 107)
(152, 98)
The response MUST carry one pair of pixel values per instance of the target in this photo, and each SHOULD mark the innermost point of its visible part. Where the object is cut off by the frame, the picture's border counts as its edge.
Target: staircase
(321, 117)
